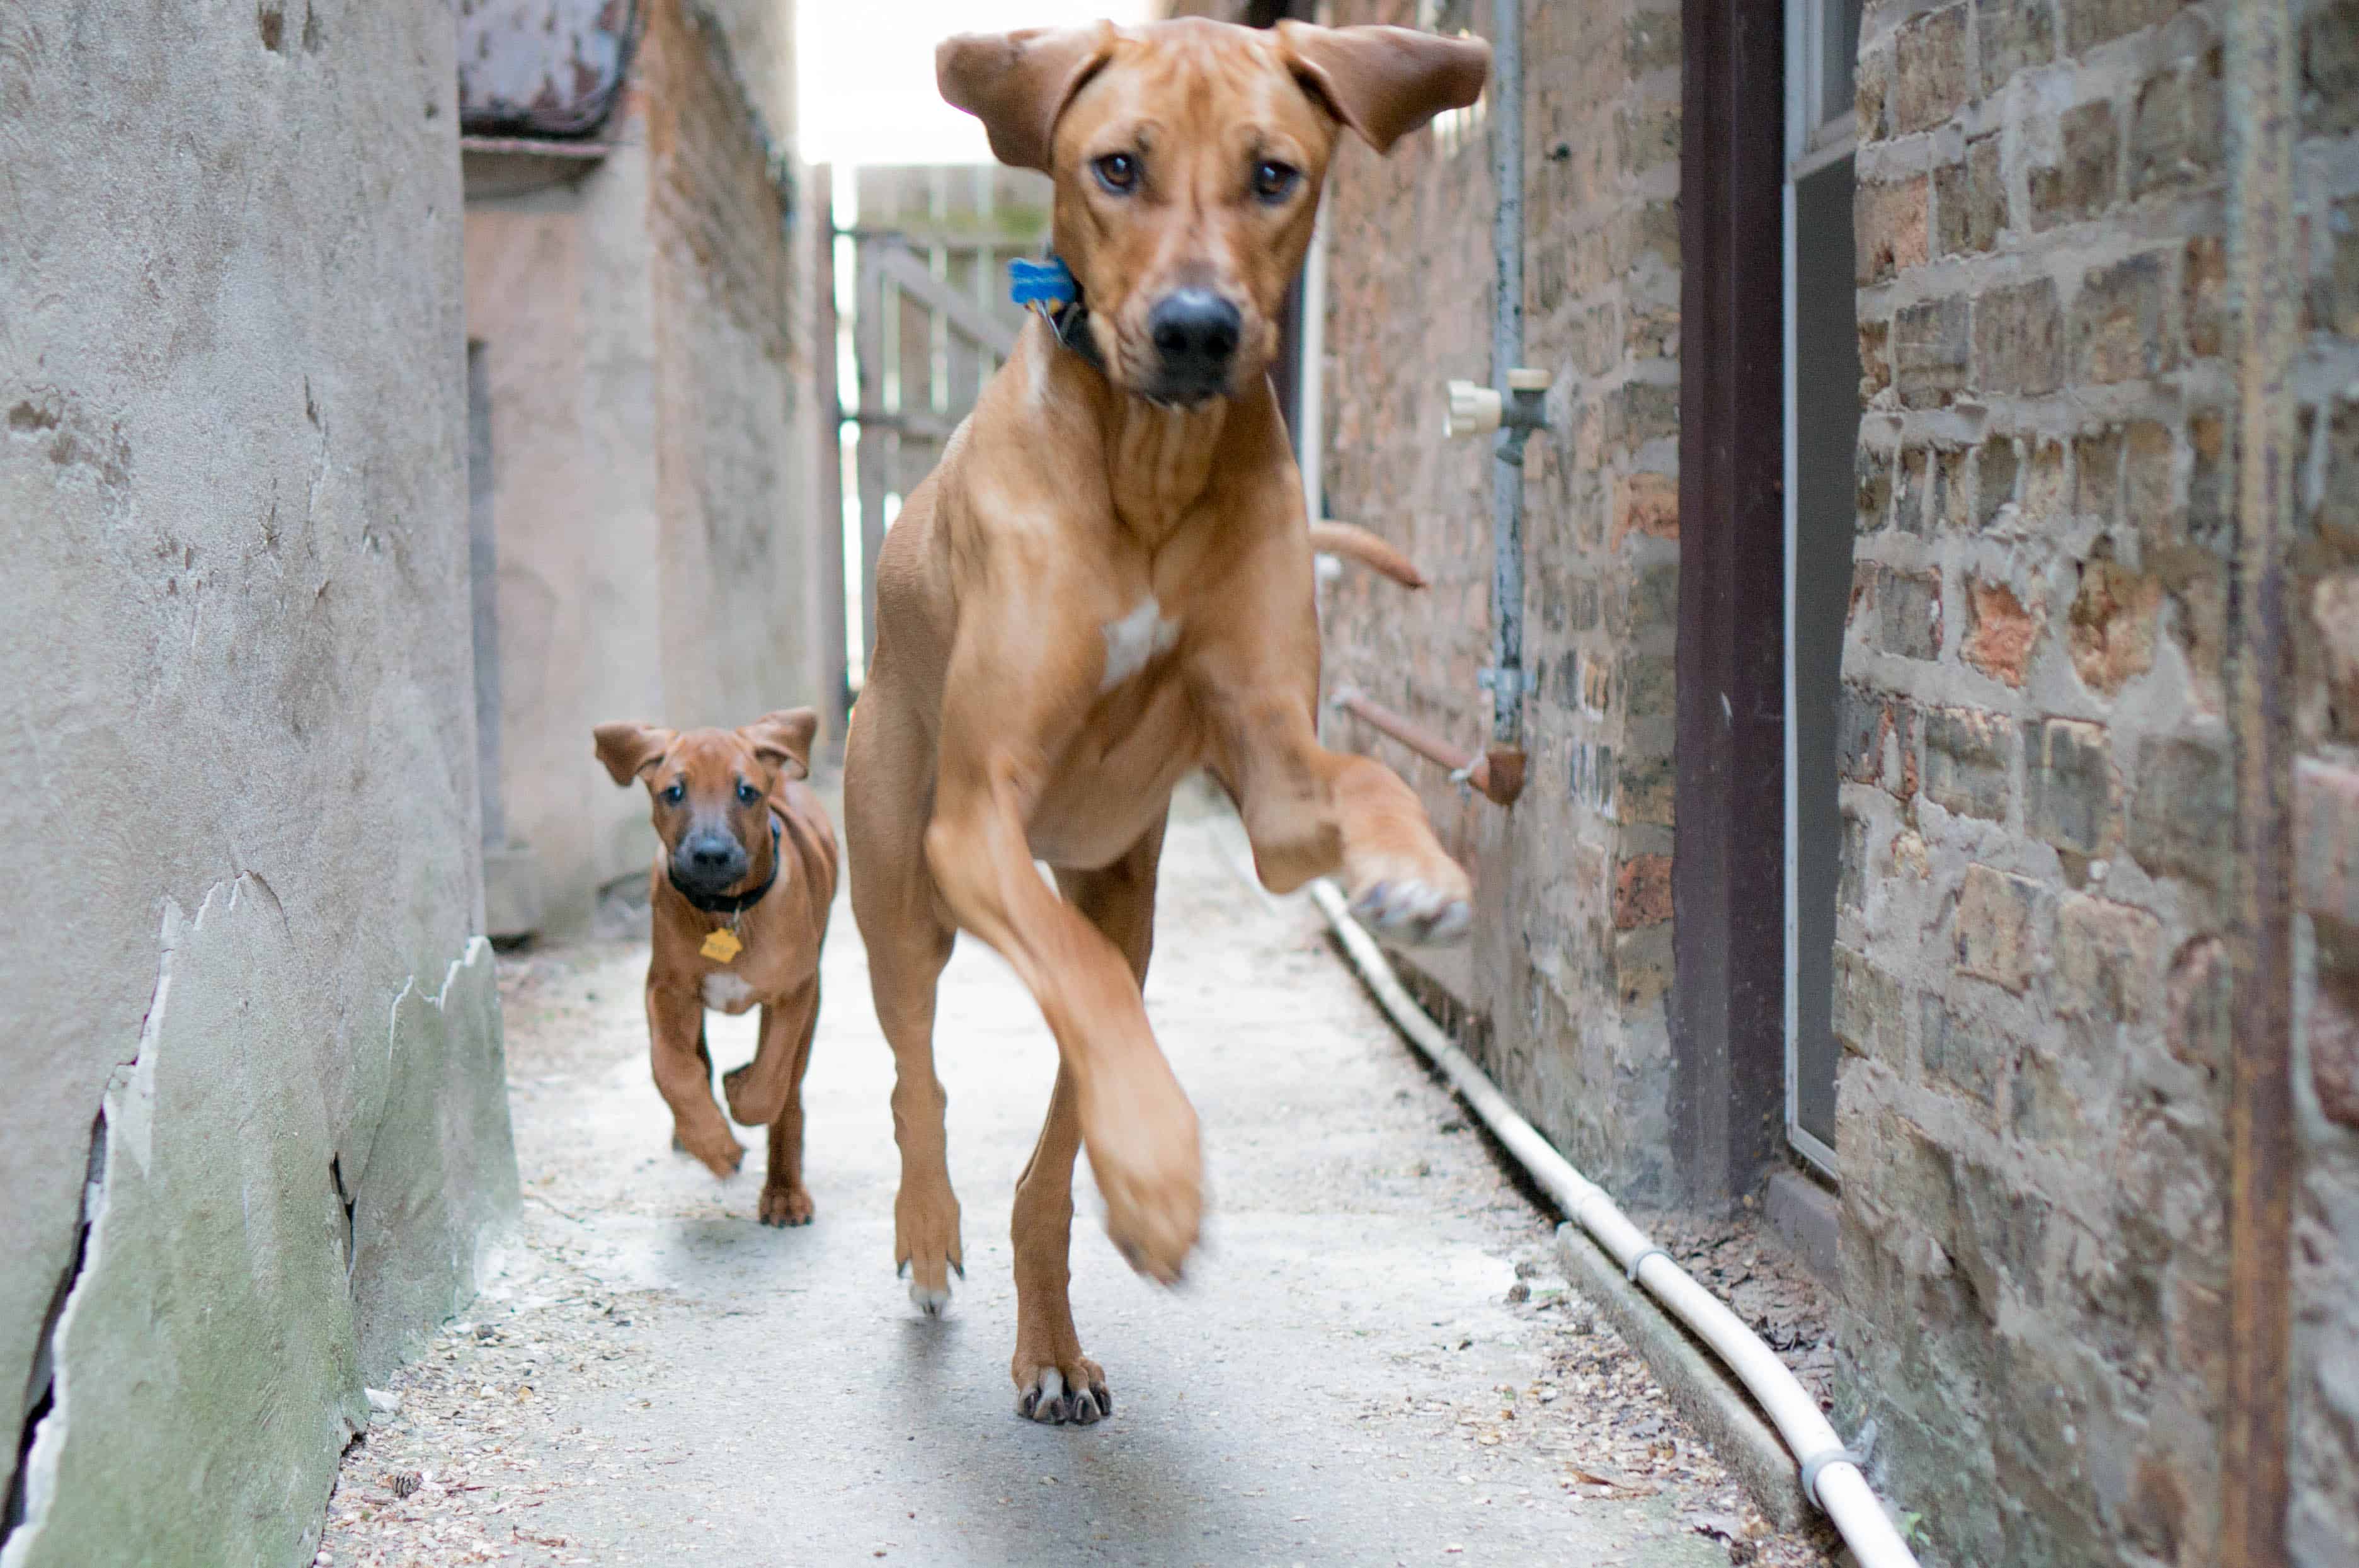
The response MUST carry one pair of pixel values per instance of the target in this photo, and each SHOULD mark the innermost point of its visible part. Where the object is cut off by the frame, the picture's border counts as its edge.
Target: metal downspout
(1505, 676)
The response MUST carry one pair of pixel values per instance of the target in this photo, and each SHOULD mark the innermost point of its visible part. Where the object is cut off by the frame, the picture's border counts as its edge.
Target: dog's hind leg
(1054, 1381)
(887, 781)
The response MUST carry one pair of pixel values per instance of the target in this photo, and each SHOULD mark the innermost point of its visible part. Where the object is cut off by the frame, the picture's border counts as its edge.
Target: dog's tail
(1355, 544)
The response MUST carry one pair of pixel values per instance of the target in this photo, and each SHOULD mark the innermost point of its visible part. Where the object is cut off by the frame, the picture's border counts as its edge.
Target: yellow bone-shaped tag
(722, 946)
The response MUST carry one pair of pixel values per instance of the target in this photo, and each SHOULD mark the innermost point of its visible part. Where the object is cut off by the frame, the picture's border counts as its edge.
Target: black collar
(1071, 324)
(733, 903)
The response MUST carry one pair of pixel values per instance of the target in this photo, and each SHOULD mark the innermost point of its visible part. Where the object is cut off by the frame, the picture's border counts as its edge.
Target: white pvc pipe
(1838, 1487)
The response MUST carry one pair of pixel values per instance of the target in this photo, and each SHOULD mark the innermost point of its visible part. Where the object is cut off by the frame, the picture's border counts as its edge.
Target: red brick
(2108, 956)
(1930, 78)
(2080, 184)
(1645, 502)
(2202, 283)
(1642, 892)
(2117, 320)
(2334, 1045)
(2112, 626)
(2000, 633)
(1889, 225)
(2326, 839)
(2334, 613)
(1993, 926)
(2196, 1005)
(1970, 199)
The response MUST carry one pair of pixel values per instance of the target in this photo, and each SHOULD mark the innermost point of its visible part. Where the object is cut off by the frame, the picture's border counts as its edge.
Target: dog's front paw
(1415, 906)
(926, 1244)
(1074, 1394)
(1150, 1171)
(785, 1205)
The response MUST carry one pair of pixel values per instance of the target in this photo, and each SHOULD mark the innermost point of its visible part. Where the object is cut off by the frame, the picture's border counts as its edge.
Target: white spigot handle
(1474, 409)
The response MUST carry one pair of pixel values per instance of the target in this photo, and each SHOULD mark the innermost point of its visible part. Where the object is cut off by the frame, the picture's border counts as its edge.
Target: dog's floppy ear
(1385, 82)
(1017, 83)
(784, 736)
(629, 750)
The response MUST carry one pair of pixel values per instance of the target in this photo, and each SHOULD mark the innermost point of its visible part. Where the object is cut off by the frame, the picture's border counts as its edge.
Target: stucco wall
(238, 787)
(559, 302)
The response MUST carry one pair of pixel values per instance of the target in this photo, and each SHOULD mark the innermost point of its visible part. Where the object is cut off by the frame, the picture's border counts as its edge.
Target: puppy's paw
(751, 1103)
(1071, 1394)
(721, 1153)
(785, 1205)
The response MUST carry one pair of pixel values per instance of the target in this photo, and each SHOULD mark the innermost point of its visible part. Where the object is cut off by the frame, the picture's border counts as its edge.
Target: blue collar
(1048, 289)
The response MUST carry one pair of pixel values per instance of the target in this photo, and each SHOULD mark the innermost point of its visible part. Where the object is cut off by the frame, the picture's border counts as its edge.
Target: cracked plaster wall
(236, 616)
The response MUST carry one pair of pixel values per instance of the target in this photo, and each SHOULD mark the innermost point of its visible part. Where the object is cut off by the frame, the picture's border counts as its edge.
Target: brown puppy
(1105, 584)
(741, 892)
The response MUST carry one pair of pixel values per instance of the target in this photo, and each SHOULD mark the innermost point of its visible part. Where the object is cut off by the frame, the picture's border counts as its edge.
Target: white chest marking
(1135, 639)
(723, 991)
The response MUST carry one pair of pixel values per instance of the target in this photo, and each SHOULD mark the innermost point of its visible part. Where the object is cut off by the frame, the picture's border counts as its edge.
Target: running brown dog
(1105, 584)
(741, 890)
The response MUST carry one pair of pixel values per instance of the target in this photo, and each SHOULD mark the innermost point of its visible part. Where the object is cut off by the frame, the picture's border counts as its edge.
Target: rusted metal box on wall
(543, 67)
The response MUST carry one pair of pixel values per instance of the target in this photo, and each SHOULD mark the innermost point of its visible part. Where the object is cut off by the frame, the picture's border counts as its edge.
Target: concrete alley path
(1372, 1363)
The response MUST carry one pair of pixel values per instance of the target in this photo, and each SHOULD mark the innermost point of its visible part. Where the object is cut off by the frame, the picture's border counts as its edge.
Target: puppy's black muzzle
(709, 861)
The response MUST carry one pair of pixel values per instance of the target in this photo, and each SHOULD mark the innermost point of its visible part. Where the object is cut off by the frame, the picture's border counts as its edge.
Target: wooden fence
(931, 321)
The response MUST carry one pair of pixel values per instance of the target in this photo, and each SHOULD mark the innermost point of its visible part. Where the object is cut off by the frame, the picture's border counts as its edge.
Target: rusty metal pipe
(2264, 267)
(1498, 774)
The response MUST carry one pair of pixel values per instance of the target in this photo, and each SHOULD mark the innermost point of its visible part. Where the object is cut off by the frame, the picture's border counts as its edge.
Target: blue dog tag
(1048, 282)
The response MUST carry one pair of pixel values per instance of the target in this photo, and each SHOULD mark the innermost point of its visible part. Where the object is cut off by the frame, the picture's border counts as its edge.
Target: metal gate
(931, 322)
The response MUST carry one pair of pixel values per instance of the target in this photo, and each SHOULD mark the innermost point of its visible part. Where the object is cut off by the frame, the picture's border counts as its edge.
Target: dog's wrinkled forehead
(711, 757)
(1381, 81)
(1191, 84)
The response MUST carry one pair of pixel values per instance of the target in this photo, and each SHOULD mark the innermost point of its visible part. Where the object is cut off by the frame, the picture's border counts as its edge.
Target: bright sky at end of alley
(867, 73)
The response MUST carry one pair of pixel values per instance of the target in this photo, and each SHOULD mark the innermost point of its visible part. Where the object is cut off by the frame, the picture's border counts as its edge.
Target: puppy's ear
(629, 750)
(1385, 82)
(784, 738)
(1017, 83)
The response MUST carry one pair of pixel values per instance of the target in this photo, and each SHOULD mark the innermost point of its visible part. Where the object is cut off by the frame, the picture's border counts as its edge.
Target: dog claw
(933, 1304)
(1049, 1402)
(786, 1206)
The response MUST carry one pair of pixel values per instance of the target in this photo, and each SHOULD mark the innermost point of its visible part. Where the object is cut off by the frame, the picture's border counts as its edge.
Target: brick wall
(2326, 631)
(731, 356)
(2037, 774)
(2031, 974)
(1571, 955)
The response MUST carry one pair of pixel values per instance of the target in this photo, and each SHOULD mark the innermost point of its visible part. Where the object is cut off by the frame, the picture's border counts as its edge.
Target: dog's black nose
(711, 859)
(1196, 333)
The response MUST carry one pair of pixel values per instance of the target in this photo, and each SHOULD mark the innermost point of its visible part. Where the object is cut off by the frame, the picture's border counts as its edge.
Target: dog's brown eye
(674, 795)
(747, 793)
(1272, 180)
(1118, 171)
